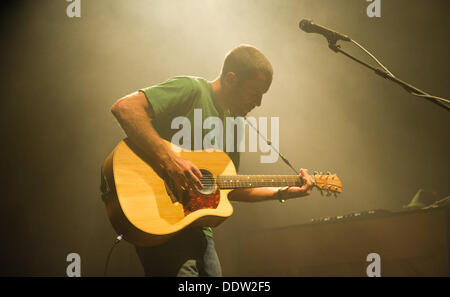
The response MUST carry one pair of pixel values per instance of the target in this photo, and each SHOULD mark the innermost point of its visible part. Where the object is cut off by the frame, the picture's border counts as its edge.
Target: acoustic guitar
(143, 206)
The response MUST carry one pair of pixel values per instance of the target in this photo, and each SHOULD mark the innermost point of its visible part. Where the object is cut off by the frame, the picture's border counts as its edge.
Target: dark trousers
(191, 253)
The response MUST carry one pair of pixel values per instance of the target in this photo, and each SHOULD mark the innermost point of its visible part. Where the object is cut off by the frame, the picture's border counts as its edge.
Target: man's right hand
(184, 174)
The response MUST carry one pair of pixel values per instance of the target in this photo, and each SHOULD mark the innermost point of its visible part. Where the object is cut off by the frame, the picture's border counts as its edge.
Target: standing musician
(146, 116)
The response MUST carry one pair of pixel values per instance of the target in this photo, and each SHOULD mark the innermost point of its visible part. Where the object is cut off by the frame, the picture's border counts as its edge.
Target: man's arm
(133, 112)
(270, 193)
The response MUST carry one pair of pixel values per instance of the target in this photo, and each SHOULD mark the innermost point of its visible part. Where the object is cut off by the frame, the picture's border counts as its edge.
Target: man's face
(246, 95)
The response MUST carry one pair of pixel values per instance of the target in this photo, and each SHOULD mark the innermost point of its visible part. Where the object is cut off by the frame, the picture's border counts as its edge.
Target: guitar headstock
(327, 182)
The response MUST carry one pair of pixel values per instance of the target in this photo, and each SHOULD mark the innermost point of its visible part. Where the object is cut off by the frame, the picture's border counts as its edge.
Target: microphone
(309, 27)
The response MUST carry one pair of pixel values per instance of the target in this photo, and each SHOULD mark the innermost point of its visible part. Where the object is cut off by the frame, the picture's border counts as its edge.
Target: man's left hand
(293, 192)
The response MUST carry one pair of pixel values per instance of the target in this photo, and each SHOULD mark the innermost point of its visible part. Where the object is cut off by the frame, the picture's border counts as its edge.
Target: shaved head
(246, 62)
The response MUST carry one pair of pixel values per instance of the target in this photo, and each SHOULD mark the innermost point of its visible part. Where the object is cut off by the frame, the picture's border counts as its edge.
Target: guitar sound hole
(208, 183)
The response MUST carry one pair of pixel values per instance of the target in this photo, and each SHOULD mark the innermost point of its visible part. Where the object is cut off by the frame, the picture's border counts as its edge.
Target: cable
(424, 95)
(118, 239)
(388, 75)
(430, 97)
(373, 57)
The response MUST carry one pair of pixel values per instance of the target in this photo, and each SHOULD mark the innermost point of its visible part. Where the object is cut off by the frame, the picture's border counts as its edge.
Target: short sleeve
(170, 96)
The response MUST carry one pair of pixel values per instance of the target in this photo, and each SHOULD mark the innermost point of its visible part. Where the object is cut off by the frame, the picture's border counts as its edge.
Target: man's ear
(230, 80)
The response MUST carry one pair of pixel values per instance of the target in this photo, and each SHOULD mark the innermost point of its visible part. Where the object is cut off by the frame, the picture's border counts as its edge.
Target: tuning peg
(321, 192)
(335, 195)
(328, 193)
(328, 172)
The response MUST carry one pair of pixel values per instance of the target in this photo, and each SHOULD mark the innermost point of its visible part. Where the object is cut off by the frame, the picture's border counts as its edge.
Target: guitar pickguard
(208, 197)
(195, 201)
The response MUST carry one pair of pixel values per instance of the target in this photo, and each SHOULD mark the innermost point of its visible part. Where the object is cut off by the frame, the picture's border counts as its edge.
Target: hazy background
(59, 77)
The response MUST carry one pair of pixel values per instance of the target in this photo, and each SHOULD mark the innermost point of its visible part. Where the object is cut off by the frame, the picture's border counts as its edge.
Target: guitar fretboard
(254, 181)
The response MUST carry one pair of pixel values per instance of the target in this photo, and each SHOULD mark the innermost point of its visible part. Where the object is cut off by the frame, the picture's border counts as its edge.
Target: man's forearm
(273, 193)
(253, 194)
(133, 113)
(137, 126)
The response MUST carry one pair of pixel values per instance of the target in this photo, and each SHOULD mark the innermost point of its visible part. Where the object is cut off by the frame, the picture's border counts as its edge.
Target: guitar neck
(254, 181)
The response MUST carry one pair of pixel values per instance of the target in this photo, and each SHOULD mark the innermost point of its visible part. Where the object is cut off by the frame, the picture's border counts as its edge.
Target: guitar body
(141, 205)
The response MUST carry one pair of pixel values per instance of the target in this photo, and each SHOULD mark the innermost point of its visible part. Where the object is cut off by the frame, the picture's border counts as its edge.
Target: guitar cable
(118, 239)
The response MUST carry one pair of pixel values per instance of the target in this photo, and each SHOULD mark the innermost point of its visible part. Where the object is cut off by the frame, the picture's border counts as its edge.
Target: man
(146, 117)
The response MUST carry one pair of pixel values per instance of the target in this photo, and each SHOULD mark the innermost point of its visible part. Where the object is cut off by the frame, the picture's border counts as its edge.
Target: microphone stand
(411, 89)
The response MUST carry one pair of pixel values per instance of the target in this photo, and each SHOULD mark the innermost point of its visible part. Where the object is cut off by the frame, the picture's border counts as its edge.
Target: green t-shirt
(180, 96)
